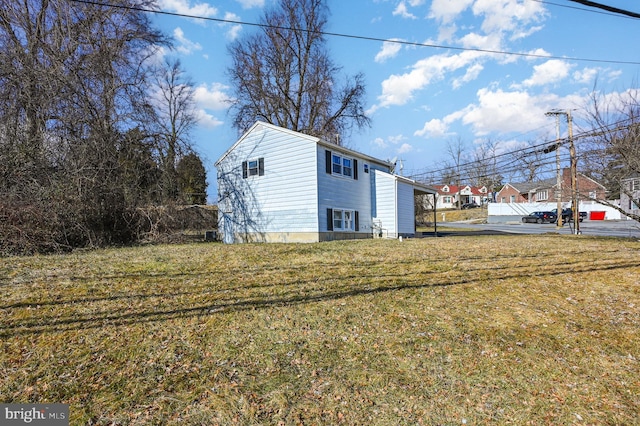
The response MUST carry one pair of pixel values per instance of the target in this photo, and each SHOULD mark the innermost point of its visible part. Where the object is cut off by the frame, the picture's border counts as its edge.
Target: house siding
(406, 209)
(384, 186)
(342, 192)
(283, 200)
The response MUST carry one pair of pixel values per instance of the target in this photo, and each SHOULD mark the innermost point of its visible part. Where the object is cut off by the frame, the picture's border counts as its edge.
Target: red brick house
(545, 190)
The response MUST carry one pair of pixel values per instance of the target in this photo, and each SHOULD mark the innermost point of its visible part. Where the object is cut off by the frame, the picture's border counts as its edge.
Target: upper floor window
(341, 165)
(337, 164)
(253, 168)
(542, 195)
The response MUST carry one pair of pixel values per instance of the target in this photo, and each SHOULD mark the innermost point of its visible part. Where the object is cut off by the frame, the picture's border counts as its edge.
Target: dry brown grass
(482, 330)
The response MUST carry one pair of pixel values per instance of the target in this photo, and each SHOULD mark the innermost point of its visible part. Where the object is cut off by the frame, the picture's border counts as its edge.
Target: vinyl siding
(405, 209)
(284, 199)
(384, 187)
(342, 192)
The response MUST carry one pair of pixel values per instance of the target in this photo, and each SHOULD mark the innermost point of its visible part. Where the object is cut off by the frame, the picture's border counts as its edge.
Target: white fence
(516, 210)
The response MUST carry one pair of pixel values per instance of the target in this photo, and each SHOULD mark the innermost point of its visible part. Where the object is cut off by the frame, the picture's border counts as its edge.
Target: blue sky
(422, 98)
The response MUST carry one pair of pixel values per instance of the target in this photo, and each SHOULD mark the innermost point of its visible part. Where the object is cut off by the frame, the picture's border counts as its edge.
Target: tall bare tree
(483, 171)
(283, 75)
(174, 117)
(70, 77)
(611, 153)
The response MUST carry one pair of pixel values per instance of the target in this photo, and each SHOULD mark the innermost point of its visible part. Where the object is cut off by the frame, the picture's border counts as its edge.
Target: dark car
(567, 215)
(540, 217)
(470, 206)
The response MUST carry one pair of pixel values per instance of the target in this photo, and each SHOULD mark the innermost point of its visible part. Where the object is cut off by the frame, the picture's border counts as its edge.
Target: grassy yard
(475, 330)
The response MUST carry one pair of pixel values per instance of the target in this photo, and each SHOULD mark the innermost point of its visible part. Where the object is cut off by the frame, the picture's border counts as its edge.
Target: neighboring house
(277, 185)
(630, 195)
(545, 190)
(448, 195)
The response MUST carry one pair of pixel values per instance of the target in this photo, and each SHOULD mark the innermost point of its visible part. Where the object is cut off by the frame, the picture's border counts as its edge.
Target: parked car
(466, 206)
(567, 215)
(540, 217)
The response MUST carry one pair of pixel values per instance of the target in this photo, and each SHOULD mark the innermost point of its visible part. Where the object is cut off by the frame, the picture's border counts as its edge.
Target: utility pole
(573, 170)
(574, 176)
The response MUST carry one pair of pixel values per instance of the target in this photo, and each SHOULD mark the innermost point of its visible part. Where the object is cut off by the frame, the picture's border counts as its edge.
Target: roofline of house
(315, 139)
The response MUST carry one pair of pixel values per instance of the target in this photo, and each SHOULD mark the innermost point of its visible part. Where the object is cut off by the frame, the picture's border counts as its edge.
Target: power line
(358, 37)
(466, 170)
(583, 9)
(608, 8)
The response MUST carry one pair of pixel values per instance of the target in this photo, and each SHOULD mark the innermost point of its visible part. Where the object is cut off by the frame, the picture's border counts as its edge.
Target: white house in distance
(448, 195)
(277, 185)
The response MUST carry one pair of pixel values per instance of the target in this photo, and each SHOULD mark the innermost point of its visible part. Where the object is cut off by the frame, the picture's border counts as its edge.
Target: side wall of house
(507, 192)
(276, 202)
(385, 220)
(406, 210)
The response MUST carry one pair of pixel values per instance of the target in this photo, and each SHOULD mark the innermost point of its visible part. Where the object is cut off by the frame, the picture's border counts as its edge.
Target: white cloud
(549, 72)
(248, 4)
(389, 50)
(537, 52)
(504, 112)
(379, 142)
(185, 46)
(586, 75)
(401, 10)
(472, 73)
(404, 148)
(447, 11)
(479, 41)
(512, 111)
(207, 120)
(508, 15)
(184, 7)
(434, 128)
(233, 29)
(399, 89)
(212, 97)
(396, 139)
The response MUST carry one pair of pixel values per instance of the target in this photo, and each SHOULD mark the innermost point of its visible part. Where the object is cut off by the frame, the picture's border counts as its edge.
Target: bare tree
(527, 163)
(174, 117)
(611, 154)
(283, 75)
(70, 77)
(456, 150)
(483, 170)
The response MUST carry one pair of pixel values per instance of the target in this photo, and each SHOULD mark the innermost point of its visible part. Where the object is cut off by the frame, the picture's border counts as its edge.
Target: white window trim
(343, 213)
(341, 165)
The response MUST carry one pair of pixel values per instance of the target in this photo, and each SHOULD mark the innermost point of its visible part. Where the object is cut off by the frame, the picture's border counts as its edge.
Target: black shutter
(328, 160)
(355, 169)
(357, 220)
(261, 166)
(245, 171)
(329, 219)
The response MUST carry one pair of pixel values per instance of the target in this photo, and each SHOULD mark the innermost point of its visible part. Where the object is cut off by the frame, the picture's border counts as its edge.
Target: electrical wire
(514, 159)
(583, 9)
(358, 37)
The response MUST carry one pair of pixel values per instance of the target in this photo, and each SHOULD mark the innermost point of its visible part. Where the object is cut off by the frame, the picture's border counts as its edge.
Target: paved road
(610, 228)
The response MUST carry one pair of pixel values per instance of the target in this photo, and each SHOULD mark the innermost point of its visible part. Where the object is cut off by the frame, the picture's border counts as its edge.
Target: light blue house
(277, 185)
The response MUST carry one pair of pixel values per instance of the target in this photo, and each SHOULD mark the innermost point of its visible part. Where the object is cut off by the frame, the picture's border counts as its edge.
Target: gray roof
(526, 187)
